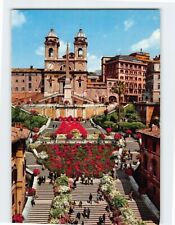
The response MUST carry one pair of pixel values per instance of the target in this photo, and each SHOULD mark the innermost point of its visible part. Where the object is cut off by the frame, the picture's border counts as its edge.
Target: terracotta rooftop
(154, 132)
(23, 70)
(19, 133)
(127, 58)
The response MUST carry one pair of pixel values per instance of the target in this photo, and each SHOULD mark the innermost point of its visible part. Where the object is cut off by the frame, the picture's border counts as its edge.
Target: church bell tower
(80, 50)
(51, 50)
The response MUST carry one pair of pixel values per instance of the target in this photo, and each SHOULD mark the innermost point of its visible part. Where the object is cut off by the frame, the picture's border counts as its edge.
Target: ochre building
(18, 138)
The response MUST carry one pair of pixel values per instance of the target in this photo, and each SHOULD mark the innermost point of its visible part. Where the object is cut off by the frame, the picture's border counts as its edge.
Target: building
(18, 138)
(152, 92)
(47, 85)
(149, 112)
(131, 71)
(148, 174)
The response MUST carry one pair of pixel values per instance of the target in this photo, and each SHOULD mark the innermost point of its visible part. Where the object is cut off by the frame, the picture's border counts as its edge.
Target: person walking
(33, 201)
(88, 212)
(90, 198)
(78, 215)
(80, 204)
(84, 212)
(104, 217)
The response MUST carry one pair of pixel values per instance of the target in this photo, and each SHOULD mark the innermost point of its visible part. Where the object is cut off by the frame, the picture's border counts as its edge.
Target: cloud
(40, 51)
(18, 18)
(94, 62)
(153, 41)
(128, 24)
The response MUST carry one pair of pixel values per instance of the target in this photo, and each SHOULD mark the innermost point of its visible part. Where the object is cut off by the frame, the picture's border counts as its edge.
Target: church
(66, 78)
(60, 74)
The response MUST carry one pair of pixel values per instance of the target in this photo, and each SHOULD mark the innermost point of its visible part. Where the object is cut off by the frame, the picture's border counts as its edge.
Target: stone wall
(54, 111)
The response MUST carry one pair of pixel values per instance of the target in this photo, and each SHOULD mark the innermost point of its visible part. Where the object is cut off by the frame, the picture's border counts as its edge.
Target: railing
(77, 140)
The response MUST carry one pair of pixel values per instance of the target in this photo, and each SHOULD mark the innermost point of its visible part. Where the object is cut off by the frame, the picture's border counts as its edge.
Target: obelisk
(67, 87)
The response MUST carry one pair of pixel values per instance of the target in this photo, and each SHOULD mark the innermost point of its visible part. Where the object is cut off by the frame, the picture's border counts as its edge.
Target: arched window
(50, 52)
(80, 52)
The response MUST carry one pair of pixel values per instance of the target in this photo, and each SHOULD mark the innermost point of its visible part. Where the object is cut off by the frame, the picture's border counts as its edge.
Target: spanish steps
(81, 193)
(136, 203)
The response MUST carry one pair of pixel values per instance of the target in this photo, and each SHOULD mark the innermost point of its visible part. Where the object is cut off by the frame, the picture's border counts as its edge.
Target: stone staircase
(136, 204)
(39, 213)
(81, 193)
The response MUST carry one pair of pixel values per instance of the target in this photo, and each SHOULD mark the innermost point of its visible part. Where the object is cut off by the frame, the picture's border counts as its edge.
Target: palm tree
(119, 89)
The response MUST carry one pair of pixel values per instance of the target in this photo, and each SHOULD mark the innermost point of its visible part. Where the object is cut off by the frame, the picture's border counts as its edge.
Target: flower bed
(118, 203)
(75, 159)
(61, 202)
(66, 127)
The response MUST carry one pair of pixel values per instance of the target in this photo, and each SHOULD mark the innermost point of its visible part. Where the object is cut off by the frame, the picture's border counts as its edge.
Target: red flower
(33, 112)
(108, 130)
(69, 136)
(17, 218)
(138, 136)
(35, 129)
(117, 136)
(66, 127)
(60, 118)
(102, 136)
(66, 102)
(35, 137)
(128, 131)
(31, 191)
(84, 136)
(36, 172)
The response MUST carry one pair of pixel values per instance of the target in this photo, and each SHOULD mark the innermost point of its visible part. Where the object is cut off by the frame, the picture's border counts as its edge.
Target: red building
(131, 71)
(148, 174)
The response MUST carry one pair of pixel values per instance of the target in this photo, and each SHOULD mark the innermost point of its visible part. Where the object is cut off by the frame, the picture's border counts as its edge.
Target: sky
(108, 32)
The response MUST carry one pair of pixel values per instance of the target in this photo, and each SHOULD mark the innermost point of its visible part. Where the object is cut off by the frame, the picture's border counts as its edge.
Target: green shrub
(113, 118)
(131, 125)
(109, 124)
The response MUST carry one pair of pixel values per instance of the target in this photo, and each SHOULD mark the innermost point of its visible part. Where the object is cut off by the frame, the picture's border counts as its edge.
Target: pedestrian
(74, 203)
(39, 180)
(88, 212)
(80, 204)
(33, 201)
(78, 215)
(90, 198)
(84, 212)
(107, 208)
(82, 223)
(82, 178)
(71, 210)
(74, 184)
(43, 167)
(104, 217)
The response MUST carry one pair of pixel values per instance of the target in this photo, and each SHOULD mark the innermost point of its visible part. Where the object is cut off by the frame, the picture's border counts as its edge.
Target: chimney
(31, 67)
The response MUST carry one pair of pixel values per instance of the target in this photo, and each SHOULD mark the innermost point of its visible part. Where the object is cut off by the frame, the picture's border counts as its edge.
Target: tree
(119, 89)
